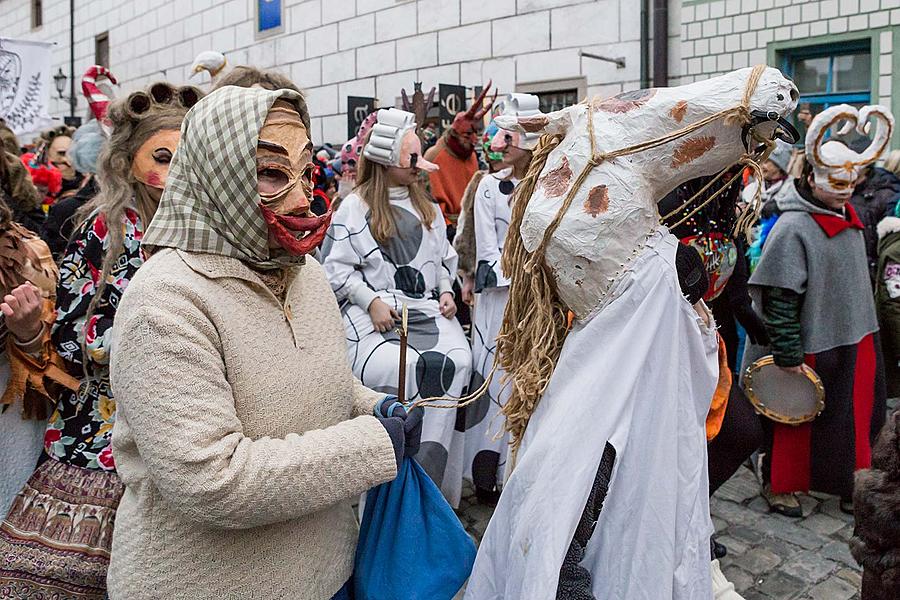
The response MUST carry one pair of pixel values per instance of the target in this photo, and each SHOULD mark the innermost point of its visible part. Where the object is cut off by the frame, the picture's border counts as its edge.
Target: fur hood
(888, 225)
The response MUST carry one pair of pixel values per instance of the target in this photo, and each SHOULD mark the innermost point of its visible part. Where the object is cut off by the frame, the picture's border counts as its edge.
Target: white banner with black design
(25, 86)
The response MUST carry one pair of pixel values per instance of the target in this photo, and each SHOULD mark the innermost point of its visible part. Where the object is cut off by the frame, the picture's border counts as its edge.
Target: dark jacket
(61, 220)
(876, 501)
(887, 299)
(873, 200)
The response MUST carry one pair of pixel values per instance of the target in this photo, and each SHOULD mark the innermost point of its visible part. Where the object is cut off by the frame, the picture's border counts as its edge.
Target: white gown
(413, 268)
(639, 373)
(487, 443)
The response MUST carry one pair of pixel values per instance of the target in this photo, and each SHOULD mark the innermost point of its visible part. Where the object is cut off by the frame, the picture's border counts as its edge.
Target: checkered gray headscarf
(210, 203)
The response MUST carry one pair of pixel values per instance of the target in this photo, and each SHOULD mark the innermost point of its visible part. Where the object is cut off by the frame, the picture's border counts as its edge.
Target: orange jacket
(449, 183)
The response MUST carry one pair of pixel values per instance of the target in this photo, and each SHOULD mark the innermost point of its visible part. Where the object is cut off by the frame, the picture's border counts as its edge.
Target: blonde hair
(372, 187)
(535, 321)
(892, 163)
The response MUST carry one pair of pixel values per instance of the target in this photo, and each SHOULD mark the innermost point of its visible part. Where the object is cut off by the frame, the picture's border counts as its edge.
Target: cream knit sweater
(241, 435)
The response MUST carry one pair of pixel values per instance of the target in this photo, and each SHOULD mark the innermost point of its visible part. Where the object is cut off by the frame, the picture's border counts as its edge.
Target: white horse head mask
(835, 166)
(613, 210)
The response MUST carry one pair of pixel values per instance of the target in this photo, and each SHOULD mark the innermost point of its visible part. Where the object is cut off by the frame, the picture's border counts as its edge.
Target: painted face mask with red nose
(284, 180)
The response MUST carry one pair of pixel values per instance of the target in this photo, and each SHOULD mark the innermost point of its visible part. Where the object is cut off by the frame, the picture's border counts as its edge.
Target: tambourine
(789, 398)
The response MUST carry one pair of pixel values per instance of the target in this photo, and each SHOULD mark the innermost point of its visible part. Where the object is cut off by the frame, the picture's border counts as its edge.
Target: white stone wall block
(885, 64)
(358, 87)
(338, 11)
(695, 31)
(387, 87)
(741, 23)
(878, 19)
(695, 66)
(340, 66)
(290, 48)
(868, 5)
(709, 28)
(687, 14)
(525, 33)
(334, 129)
(895, 16)
(757, 20)
(849, 7)
(886, 4)
(748, 6)
(828, 9)
(198, 5)
(396, 22)
(838, 25)
(886, 40)
(857, 22)
(709, 64)
(223, 40)
(792, 14)
(469, 42)
(757, 57)
(774, 17)
(748, 40)
(262, 54)
(599, 72)
(501, 71)
(578, 25)
(322, 100)
(474, 11)
(316, 126)
(322, 40)
(213, 19)
(307, 73)
(174, 33)
(243, 34)
(201, 43)
(687, 49)
(818, 28)
(435, 15)
(701, 12)
(741, 60)
(531, 5)
(717, 45)
(800, 31)
(236, 11)
(356, 32)
(724, 62)
(725, 25)
(783, 33)
(418, 51)
(303, 16)
(764, 5)
(701, 48)
(732, 43)
(544, 66)
(732, 7)
(884, 85)
(716, 9)
(368, 6)
(434, 76)
(809, 12)
(373, 60)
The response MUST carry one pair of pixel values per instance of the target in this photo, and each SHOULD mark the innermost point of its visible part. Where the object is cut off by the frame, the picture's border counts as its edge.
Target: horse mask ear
(553, 123)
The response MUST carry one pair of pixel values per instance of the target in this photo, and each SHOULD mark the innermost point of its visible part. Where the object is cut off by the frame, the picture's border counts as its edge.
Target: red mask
(463, 133)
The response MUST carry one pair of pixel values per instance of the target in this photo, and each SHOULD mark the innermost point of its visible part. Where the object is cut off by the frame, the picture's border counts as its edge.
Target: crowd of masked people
(205, 479)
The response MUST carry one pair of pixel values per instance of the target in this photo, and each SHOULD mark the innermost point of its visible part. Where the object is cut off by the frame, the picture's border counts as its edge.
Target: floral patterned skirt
(55, 541)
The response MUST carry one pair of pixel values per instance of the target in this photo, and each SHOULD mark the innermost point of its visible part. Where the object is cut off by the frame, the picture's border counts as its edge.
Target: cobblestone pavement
(770, 557)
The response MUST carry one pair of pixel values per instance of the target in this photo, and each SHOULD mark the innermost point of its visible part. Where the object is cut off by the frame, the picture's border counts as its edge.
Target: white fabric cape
(640, 373)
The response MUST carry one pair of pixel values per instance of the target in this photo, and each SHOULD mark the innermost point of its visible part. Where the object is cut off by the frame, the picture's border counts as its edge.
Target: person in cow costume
(607, 497)
(454, 153)
(813, 290)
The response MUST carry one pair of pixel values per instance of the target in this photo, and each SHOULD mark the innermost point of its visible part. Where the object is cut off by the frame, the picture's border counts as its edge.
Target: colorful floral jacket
(80, 428)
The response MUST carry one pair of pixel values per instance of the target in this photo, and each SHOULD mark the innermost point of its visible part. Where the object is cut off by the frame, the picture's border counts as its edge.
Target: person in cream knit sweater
(242, 436)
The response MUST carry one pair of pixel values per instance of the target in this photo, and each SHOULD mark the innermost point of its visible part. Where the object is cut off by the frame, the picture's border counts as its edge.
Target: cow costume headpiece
(835, 166)
(517, 105)
(394, 143)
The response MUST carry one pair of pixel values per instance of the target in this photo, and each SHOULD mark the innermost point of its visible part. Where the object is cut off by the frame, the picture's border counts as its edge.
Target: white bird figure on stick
(210, 61)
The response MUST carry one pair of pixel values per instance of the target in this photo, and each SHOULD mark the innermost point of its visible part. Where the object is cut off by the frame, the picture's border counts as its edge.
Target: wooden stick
(404, 335)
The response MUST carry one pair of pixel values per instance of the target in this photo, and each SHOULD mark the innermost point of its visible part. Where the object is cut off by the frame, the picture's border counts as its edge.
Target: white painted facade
(339, 48)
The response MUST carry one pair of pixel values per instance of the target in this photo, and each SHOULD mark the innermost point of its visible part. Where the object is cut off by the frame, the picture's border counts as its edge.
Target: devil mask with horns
(835, 166)
(464, 132)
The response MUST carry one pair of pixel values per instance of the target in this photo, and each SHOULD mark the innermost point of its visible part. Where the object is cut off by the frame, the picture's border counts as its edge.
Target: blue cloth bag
(411, 543)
